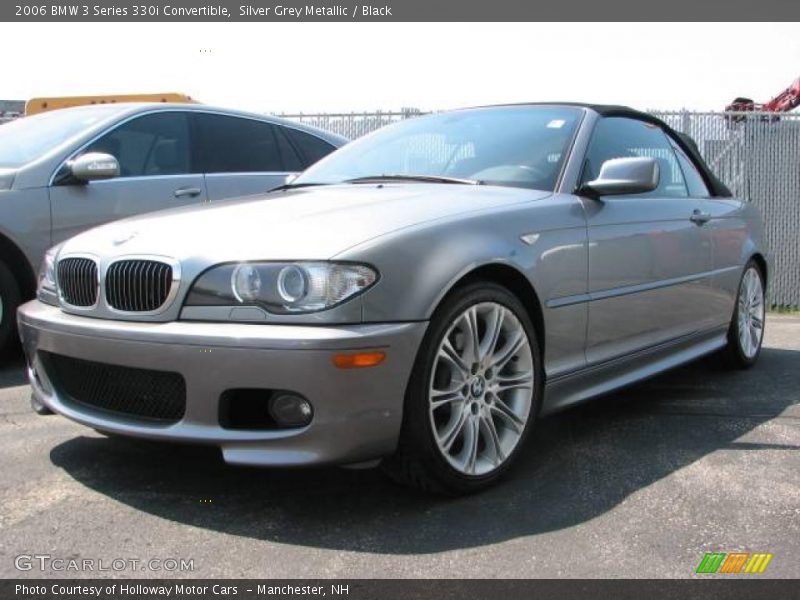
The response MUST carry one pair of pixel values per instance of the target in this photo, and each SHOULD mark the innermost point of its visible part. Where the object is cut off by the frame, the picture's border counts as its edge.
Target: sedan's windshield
(520, 146)
(28, 138)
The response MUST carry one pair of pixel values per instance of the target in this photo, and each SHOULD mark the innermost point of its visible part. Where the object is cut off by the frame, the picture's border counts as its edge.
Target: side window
(311, 147)
(155, 144)
(618, 137)
(291, 159)
(236, 145)
(694, 181)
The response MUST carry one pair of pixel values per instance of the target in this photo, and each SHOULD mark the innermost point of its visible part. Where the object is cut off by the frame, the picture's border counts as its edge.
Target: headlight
(46, 289)
(282, 288)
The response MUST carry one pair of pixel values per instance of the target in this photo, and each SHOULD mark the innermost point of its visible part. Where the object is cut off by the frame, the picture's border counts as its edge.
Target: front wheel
(746, 332)
(473, 393)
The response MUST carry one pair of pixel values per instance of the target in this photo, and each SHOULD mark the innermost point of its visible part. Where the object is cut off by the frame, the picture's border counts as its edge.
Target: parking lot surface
(638, 484)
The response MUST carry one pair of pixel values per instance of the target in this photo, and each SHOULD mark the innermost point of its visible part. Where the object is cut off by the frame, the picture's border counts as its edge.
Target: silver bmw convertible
(417, 298)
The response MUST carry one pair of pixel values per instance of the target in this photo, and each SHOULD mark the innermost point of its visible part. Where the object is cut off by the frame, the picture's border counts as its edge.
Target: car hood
(309, 223)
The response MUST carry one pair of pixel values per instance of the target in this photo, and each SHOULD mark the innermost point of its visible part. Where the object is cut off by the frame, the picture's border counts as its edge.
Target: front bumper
(357, 412)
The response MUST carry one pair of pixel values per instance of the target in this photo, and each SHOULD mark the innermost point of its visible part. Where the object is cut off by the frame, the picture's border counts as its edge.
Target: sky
(333, 67)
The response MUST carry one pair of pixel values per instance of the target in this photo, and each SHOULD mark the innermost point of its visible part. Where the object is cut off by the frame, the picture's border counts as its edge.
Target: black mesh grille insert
(77, 280)
(135, 393)
(138, 285)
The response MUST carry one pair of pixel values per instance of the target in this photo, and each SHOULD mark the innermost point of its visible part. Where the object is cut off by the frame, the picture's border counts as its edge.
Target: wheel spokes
(450, 354)
(513, 381)
(754, 338)
(471, 444)
(441, 398)
(502, 410)
(448, 439)
(511, 348)
(471, 320)
(494, 450)
(751, 313)
(494, 325)
(481, 388)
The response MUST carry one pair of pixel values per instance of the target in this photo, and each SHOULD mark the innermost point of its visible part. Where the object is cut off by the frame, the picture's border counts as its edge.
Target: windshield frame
(578, 112)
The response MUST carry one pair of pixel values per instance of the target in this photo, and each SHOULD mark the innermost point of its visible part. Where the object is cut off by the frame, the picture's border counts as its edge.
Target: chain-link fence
(757, 155)
(354, 124)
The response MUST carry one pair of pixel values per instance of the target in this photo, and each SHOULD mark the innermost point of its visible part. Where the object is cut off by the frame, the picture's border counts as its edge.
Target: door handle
(187, 191)
(699, 217)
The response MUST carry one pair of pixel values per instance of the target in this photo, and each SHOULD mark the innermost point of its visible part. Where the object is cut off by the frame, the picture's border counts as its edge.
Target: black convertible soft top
(687, 144)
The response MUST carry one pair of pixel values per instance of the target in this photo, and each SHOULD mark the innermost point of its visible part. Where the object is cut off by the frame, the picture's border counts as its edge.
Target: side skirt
(572, 388)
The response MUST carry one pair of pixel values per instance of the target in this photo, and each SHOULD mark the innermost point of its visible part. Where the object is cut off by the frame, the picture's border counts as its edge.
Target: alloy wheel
(481, 388)
(751, 313)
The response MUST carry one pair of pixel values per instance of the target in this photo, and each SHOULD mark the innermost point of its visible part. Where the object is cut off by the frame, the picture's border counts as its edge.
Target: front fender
(420, 265)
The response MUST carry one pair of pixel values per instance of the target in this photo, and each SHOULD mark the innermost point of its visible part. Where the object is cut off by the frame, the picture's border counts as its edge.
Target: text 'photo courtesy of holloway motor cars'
(418, 298)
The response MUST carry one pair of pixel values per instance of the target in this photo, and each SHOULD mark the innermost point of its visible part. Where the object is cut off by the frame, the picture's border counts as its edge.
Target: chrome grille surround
(142, 285)
(78, 281)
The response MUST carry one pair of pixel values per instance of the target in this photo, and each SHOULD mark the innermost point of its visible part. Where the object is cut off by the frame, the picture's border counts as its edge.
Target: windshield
(519, 146)
(26, 139)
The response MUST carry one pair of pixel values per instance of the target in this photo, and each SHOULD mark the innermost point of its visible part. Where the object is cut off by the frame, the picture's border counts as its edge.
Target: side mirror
(290, 178)
(93, 166)
(635, 175)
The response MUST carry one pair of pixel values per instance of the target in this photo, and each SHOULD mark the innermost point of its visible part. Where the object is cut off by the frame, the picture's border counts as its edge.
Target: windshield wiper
(424, 178)
(292, 186)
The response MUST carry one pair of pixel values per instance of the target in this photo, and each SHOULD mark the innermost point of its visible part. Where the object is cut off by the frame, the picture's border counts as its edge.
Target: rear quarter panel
(737, 233)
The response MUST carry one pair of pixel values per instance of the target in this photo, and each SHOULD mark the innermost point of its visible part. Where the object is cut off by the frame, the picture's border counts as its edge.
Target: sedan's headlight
(283, 288)
(46, 288)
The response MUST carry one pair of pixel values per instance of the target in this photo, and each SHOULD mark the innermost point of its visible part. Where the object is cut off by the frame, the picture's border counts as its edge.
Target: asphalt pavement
(641, 483)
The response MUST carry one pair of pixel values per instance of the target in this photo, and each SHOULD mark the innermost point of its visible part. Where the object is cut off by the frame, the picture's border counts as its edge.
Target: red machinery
(787, 100)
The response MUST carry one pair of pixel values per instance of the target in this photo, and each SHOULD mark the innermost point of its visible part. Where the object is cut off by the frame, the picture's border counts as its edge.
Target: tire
(742, 350)
(476, 430)
(10, 299)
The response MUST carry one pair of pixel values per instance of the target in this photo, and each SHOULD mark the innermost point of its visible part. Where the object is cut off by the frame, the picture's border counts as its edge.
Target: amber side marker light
(358, 360)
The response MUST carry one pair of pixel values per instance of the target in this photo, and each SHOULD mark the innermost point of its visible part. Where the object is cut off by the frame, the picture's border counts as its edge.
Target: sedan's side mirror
(93, 166)
(634, 175)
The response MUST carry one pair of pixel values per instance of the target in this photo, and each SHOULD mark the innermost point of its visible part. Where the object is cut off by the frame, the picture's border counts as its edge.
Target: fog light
(290, 410)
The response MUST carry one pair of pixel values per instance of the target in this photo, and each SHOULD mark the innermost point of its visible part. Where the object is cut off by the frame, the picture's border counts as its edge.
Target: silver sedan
(418, 297)
(67, 170)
